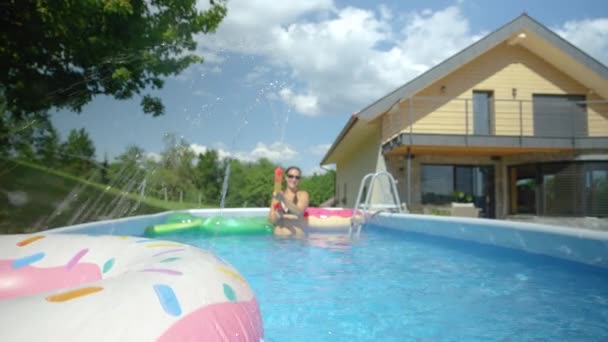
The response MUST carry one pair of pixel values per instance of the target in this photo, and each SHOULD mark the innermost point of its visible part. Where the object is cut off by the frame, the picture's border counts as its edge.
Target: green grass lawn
(43, 198)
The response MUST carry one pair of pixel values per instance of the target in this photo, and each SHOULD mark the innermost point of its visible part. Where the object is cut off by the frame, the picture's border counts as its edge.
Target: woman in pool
(287, 207)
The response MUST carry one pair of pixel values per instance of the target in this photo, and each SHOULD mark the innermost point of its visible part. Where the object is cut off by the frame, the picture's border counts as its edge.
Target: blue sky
(280, 79)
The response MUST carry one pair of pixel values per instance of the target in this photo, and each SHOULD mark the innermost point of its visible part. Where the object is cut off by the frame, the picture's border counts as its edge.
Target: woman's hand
(279, 196)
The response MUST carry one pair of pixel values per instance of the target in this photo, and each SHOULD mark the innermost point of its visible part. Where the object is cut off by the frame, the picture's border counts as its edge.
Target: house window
(560, 189)
(442, 183)
(483, 112)
(437, 184)
(559, 115)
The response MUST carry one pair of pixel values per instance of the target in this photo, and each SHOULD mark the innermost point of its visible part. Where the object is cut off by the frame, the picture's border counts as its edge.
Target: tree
(127, 167)
(48, 145)
(319, 187)
(78, 152)
(258, 188)
(208, 176)
(62, 53)
(104, 178)
(18, 137)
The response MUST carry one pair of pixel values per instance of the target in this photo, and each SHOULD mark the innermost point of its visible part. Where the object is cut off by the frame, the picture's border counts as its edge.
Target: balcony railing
(546, 121)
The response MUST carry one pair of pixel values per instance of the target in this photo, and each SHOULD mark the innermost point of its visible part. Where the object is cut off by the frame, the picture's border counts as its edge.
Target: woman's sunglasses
(293, 176)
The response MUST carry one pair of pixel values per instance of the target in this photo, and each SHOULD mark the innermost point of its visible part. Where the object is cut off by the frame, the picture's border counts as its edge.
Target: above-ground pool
(410, 277)
(391, 285)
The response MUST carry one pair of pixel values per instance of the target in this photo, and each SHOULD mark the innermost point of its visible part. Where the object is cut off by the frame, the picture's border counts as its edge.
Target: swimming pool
(413, 285)
(393, 285)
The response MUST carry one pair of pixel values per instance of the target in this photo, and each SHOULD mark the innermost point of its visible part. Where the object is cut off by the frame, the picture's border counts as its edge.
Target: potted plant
(463, 205)
(462, 197)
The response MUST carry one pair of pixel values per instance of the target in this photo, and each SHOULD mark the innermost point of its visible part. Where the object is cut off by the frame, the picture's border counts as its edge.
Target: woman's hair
(293, 168)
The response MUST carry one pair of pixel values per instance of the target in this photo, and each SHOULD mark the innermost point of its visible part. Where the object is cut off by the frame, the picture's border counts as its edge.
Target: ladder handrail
(373, 177)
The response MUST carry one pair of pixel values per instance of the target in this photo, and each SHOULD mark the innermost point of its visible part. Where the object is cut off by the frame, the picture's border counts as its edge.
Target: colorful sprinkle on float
(74, 287)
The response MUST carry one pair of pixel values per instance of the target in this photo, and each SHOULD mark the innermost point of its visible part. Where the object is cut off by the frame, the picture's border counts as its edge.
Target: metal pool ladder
(362, 211)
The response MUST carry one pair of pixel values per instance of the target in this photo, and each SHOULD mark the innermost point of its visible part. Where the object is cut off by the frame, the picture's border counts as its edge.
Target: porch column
(408, 157)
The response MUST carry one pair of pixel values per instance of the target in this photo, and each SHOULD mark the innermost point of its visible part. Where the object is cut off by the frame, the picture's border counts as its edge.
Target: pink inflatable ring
(328, 218)
(58, 287)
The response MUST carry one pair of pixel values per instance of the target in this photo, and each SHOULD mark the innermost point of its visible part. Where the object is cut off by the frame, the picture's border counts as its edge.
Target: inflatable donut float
(328, 218)
(58, 287)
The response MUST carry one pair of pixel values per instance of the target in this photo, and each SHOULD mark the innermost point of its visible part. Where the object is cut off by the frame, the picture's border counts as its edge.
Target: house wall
(397, 166)
(366, 158)
(500, 70)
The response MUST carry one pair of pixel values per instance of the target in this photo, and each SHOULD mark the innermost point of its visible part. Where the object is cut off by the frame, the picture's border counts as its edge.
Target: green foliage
(152, 105)
(104, 172)
(54, 199)
(259, 179)
(208, 176)
(73, 187)
(462, 197)
(48, 147)
(21, 137)
(319, 187)
(439, 212)
(63, 53)
(77, 153)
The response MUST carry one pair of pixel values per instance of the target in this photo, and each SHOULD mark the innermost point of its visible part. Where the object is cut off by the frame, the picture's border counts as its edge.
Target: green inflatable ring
(214, 225)
(180, 217)
(221, 225)
(176, 222)
(176, 227)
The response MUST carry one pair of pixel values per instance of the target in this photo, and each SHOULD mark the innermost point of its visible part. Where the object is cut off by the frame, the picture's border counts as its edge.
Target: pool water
(395, 286)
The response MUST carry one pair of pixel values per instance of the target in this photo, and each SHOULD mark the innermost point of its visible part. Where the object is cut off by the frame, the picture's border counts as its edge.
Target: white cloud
(385, 12)
(319, 150)
(248, 25)
(257, 73)
(430, 37)
(306, 104)
(276, 152)
(316, 169)
(198, 149)
(340, 58)
(153, 156)
(590, 35)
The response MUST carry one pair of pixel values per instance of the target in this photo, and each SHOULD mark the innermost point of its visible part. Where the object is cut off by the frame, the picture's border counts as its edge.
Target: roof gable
(521, 24)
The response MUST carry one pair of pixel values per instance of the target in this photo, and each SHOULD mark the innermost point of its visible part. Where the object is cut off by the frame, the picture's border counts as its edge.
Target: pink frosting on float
(227, 321)
(30, 280)
(326, 212)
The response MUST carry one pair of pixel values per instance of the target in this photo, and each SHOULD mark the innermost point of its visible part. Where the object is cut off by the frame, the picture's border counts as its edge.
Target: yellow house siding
(598, 117)
(446, 106)
(365, 158)
(392, 123)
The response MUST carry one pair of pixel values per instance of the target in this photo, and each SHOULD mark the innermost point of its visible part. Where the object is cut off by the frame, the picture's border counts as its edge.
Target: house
(517, 123)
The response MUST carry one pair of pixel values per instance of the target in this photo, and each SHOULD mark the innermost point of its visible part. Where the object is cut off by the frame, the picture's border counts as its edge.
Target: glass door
(482, 112)
(478, 182)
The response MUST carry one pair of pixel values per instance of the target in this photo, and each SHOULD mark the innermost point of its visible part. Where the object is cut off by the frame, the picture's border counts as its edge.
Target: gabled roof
(351, 122)
(506, 32)
(544, 42)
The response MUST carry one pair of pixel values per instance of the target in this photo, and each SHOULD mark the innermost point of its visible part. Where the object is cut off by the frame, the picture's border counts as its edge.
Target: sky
(281, 79)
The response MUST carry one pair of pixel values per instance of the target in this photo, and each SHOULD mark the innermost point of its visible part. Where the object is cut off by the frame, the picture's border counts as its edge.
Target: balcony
(485, 125)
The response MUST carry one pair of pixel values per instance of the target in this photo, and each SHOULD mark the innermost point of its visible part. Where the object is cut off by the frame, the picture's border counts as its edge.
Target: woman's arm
(298, 210)
(273, 215)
